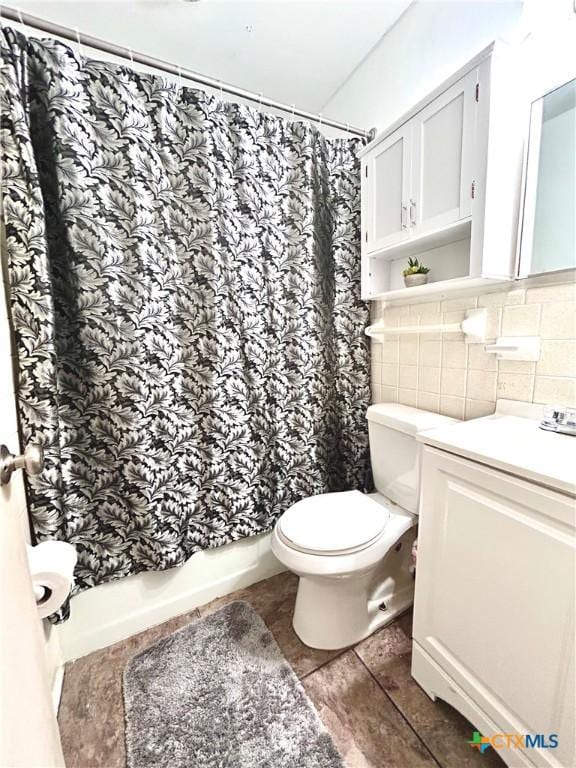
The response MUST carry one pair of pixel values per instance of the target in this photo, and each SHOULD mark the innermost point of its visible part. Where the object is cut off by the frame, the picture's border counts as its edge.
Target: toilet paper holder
(32, 460)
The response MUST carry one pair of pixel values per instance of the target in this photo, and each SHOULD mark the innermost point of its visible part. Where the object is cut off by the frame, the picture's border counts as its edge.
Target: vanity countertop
(513, 443)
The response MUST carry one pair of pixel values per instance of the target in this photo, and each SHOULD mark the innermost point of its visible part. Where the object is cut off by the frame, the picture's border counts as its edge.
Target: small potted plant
(415, 273)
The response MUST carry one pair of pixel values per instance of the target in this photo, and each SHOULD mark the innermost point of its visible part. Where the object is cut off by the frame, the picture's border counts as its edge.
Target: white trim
(57, 688)
(529, 189)
(112, 612)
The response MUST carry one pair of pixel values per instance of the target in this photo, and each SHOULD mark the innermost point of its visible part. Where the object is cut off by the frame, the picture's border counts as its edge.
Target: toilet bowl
(338, 602)
(352, 551)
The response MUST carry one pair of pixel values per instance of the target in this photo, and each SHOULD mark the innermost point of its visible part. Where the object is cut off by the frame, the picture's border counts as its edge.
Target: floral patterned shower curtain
(184, 277)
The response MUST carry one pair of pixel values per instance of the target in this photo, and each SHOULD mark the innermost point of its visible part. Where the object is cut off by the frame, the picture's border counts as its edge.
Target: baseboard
(57, 688)
(54, 662)
(112, 612)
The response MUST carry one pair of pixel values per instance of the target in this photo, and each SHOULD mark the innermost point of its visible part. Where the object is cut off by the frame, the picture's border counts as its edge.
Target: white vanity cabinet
(494, 602)
(443, 182)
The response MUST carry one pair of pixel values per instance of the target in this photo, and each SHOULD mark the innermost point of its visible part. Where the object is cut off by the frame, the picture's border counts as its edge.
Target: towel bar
(473, 327)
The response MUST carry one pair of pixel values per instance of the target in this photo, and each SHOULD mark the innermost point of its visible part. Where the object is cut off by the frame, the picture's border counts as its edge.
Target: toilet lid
(333, 523)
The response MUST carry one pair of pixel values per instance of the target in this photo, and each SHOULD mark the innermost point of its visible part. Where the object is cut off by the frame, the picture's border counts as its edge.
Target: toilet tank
(394, 451)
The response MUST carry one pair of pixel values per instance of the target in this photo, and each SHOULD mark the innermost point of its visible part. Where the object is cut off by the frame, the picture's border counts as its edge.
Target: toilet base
(329, 632)
(337, 612)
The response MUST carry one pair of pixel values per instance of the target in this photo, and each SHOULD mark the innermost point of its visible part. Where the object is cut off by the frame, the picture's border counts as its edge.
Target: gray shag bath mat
(219, 694)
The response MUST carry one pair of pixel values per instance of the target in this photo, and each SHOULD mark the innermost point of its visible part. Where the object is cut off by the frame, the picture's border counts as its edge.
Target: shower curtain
(184, 288)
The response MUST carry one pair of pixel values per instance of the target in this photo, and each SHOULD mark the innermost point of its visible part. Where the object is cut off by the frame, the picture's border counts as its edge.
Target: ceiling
(297, 51)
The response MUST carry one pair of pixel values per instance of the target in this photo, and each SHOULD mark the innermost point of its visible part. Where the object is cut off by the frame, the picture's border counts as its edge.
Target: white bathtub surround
(111, 612)
(440, 372)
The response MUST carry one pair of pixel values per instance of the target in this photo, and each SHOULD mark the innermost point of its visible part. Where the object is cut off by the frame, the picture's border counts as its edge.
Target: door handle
(32, 460)
(412, 213)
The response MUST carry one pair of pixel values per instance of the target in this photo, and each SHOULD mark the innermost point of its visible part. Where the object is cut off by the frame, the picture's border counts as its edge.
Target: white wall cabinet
(447, 172)
(417, 179)
(494, 603)
(387, 172)
(442, 158)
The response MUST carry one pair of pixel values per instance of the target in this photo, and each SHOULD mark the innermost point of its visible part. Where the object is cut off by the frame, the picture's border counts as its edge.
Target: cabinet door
(494, 603)
(386, 183)
(442, 161)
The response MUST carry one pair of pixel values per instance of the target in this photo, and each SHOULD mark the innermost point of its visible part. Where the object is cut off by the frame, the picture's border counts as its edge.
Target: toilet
(352, 551)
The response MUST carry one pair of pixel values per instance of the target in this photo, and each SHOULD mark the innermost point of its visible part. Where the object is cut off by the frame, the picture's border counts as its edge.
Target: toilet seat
(333, 523)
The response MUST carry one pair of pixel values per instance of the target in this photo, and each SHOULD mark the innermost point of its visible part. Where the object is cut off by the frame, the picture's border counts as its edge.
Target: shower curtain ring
(221, 90)
(293, 110)
(179, 77)
(21, 17)
(78, 41)
(260, 94)
(320, 118)
(131, 55)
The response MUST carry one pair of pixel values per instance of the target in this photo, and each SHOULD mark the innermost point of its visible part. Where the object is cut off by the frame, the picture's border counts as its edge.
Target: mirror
(548, 234)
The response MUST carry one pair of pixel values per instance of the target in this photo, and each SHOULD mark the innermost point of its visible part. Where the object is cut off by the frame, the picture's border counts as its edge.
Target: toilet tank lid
(406, 419)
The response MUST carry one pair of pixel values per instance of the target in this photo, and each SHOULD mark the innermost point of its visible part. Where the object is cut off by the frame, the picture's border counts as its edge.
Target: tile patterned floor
(376, 713)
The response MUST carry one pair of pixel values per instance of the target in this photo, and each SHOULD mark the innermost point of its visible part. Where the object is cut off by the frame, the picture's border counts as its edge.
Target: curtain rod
(27, 20)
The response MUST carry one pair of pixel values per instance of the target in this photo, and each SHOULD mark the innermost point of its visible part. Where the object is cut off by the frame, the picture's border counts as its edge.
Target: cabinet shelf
(459, 230)
(439, 288)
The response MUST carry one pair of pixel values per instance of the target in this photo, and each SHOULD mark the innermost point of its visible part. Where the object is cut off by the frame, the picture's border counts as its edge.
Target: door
(386, 181)
(442, 161)
(494, 603)
(28, 729)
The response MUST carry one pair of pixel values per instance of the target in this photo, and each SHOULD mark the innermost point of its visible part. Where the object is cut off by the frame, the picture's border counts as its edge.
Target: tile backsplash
(440, 372)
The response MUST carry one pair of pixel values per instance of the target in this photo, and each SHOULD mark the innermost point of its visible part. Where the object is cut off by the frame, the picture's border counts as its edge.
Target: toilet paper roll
(52, 571)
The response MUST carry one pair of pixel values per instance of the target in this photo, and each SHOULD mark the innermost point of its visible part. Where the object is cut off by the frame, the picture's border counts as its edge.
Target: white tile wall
(440, 372)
